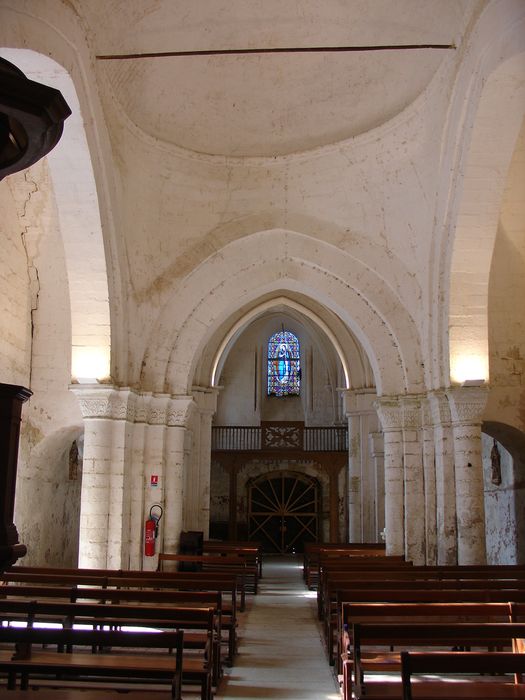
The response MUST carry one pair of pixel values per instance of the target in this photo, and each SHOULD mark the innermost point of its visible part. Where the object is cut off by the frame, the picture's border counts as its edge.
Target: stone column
(429, 474)
(414, 496)
(467, 404)
(199, 478)
(206, 401)
(154, 468)
(104, 510)
(377, 451)
(179, 410)
(355, 532)
(137, 480)
(391, 416)
(362, 485)
(445, 479)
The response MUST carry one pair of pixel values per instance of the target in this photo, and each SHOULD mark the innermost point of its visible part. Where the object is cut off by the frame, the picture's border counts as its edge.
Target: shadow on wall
(504, 462)
(47, 504)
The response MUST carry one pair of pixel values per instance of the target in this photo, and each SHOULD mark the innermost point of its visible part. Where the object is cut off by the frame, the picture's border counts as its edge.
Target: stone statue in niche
(495, 460)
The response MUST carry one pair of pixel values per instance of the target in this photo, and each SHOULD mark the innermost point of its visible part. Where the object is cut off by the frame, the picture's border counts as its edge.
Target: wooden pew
(313, 551)
(199, 626)
(349, 570)
(370, 636)
(409, 592)
(112, 577)
(421, 612)
(453, 663)
(457, 577)
(157, 658)
(161, 599)
(387, 596)
(226, 584)
(236, 564)
(251, 551)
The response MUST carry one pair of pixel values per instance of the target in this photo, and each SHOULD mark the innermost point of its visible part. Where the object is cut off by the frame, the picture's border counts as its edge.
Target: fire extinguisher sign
(154, 481)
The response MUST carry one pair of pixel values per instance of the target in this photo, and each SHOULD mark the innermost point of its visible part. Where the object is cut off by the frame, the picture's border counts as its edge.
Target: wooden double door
(283, 511)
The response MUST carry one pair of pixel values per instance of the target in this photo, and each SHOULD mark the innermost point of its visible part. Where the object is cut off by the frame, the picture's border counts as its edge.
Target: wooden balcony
(279, 436)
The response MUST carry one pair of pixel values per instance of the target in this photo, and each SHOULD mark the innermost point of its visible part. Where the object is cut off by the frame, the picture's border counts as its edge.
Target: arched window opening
(284, 370)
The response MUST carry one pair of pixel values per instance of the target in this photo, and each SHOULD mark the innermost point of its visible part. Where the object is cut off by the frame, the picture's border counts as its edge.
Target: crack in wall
(32, 270)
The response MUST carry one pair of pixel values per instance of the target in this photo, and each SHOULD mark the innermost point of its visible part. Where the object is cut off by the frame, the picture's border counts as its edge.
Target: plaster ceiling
(267, 104)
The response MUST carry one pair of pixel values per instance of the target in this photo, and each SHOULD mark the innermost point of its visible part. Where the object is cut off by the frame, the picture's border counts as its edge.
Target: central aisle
(281, 654)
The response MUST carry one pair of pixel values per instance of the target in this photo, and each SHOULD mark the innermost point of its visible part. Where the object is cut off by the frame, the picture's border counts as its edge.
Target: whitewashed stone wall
(243, 398)
(507, 285)
(51, 419)
(15, 293)
(504, 508)
(51, 533)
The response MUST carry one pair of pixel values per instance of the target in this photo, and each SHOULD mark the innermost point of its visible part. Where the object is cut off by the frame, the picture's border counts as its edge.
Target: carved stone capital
(158, 409)
(103, 401)
(205, 399)
(179, 410)
(427, 420)
(439, 408)
(390, 413)
(411, 412)
(358, 401)
(467, 404)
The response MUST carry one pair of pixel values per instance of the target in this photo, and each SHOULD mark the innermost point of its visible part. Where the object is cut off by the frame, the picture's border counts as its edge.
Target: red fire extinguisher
(152, 531)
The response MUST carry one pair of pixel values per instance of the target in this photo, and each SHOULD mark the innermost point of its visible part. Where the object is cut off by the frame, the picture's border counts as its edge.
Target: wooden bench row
(381, 570)
(408, 585)
(201, 626)
(138, 595)
(315, 552)
(107, 579)
(416, 686)
(425, 593)
(441, 600)
(372, 653)
(252, 552)
(154, 658)
(122, 578)
(227, 618)
(234, 563)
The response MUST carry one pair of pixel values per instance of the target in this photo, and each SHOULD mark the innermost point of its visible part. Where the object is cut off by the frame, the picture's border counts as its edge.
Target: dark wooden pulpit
(11, 399)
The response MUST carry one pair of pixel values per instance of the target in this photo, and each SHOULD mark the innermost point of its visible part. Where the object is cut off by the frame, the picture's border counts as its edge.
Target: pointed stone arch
(46, 41)
(266, 263)
(482, 140)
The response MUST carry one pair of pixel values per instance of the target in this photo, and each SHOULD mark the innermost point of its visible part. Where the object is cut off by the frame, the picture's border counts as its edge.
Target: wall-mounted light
(90, 364)
(469, 368)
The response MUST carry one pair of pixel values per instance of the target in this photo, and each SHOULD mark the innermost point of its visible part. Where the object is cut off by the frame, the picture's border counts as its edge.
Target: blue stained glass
(284, 369)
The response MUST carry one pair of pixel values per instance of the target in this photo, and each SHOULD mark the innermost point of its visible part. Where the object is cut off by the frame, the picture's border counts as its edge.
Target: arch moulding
(271, 264)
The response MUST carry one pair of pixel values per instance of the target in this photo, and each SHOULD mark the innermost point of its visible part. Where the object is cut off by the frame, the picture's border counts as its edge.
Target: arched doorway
(283, 510)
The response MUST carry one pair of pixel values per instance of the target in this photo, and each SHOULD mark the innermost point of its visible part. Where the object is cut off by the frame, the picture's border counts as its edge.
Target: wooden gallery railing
(284, 435)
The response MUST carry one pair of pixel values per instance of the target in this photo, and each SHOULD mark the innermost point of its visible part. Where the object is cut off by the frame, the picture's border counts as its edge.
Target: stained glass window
(284, 369)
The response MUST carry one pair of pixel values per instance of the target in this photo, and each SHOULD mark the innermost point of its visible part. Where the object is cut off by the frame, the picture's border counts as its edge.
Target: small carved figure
(495, 460)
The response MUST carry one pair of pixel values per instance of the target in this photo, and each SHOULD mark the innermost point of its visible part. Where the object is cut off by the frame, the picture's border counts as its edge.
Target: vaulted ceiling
(268, 104)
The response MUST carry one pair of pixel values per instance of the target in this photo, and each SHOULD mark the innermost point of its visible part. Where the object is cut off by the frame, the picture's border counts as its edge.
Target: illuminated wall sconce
(90, 365)
(469, 369)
